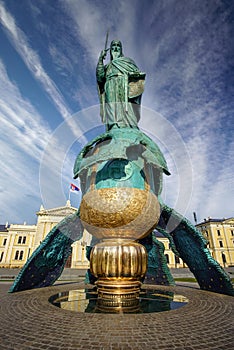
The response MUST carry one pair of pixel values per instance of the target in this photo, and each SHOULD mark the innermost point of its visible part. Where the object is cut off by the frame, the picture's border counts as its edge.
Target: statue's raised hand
(103, 54)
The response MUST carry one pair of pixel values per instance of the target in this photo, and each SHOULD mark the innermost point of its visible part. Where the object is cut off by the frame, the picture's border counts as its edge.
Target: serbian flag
(74, 188)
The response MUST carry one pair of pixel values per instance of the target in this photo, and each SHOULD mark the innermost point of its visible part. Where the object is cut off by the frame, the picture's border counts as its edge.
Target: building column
(9, 248)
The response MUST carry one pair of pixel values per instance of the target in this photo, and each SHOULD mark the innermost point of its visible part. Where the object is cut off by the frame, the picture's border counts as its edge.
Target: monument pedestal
(119, 266)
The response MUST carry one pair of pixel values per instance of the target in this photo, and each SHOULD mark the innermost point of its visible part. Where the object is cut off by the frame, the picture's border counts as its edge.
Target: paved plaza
(29, 321)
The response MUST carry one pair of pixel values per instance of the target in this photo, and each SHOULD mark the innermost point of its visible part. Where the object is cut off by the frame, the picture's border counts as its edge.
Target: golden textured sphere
(119, 212)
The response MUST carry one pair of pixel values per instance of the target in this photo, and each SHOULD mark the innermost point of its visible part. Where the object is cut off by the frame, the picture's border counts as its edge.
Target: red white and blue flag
(74, 188)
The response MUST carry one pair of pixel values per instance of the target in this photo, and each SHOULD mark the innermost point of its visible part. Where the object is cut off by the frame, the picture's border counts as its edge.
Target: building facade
(173, 261)
(18, 242)
(3, 241)
(219, 234)
(16, 245)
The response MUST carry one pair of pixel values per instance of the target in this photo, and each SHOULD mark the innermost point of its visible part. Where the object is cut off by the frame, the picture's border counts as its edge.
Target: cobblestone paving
(29, 321)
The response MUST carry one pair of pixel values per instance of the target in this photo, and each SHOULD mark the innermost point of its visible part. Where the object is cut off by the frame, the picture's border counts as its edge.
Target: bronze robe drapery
(118, 107)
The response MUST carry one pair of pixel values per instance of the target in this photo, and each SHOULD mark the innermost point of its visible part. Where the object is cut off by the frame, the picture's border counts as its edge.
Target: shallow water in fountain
(150, 300)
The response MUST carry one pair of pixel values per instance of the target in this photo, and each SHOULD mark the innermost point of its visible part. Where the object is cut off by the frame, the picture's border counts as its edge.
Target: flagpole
(69, 196)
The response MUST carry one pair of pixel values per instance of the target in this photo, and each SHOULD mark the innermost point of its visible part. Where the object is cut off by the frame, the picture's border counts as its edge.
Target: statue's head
(116, 49)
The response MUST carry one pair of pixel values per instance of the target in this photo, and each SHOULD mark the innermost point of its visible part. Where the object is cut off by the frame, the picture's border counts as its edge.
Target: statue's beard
(115, 54)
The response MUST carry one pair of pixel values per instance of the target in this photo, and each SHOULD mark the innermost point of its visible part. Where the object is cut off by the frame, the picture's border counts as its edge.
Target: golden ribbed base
(119, 266)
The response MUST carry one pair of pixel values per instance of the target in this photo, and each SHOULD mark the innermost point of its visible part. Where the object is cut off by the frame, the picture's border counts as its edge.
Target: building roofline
(44, 211)
(209, 219)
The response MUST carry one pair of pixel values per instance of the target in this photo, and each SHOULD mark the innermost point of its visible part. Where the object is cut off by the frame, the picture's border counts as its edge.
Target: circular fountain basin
(150, 301)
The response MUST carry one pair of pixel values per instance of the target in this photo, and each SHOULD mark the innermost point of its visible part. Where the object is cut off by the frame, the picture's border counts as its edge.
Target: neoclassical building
(219, 234)
(17, 242)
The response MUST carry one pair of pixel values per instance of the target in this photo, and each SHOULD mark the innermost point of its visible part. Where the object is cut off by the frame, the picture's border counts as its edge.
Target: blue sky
(49, 103)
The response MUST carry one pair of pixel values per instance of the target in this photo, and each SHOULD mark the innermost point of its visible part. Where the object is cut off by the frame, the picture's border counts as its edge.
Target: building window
(4, 241)
(167, 258)
(177, 259)
(224, 259)
(1, 256)
(19, 255)
(232, 232)
(19, 239)
(221, 244)
(24, 240)
(218, 232)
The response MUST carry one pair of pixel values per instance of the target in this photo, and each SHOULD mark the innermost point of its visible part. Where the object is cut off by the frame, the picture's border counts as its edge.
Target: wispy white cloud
(24, 139)
(90, 21)
(20, 122)
(189, 87)
(219, 199)
(60, 60)
(33, 62)
(117, 17)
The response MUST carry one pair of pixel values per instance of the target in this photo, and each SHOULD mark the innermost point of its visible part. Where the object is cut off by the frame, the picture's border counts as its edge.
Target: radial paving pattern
(29, 321)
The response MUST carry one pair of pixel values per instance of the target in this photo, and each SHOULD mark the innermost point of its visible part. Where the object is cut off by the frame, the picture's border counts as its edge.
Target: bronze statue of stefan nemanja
(121, 172)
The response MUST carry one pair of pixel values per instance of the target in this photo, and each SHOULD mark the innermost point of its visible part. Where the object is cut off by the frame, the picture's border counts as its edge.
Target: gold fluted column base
(119, 267)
